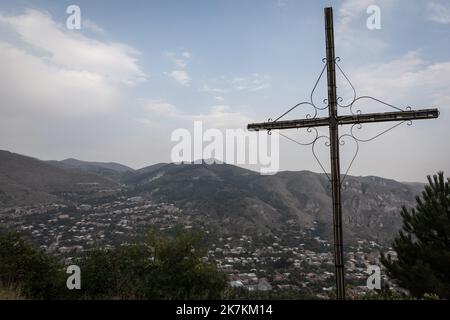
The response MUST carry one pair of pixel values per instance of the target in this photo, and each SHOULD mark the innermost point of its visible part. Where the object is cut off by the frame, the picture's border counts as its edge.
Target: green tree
(181, 270)
(160, 268)
(423, 243)
(37, 274)
(120, 273)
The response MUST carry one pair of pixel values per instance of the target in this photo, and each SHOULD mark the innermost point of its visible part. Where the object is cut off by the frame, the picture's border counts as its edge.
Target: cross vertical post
(334, 155)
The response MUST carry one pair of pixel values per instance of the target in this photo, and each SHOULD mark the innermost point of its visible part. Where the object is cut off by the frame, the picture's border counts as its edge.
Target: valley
(267, 233)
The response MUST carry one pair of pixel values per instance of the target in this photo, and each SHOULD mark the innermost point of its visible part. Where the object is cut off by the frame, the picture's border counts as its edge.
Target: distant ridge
(110, 170)
(25, 179)
(108, 165)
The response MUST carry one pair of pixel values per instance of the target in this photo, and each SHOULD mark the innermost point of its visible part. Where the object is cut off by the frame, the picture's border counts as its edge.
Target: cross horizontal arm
(347, 119)
(390, 116)
(289, 124)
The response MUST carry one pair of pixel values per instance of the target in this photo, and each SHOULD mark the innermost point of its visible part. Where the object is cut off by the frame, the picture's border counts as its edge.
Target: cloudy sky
(116, 89)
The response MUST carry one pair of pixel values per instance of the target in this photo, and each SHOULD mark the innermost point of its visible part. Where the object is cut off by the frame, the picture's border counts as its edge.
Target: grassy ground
(10, 293)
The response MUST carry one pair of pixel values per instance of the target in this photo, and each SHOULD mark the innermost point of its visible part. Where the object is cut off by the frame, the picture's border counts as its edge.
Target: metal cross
(333, 121)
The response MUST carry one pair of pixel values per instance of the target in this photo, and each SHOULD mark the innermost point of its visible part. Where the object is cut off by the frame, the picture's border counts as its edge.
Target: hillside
(111, 170)
(229, 198)
(240, 200)
(26, 180)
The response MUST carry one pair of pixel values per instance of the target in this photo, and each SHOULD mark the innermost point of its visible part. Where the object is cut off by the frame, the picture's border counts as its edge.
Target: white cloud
(351, 30)
(217, 116)
(181, 76)
(438, 12)
(250, 83)
(161, 108)
(206, 88)
(48, 72)
(148, 122)
(281, 3)
(71, 50)
(408, 79)
(349, 11)
(178, 62)
(92, 26)
(222, 117)
(28, 83)
(254, 82)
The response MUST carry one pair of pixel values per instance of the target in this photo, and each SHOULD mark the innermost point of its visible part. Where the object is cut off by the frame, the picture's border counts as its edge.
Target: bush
(39, 275)
(423, 244)
(159, 268)
(10, 293)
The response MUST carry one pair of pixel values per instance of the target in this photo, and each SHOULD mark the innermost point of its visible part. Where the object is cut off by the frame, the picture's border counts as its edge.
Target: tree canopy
(423, 243)
(160, 267)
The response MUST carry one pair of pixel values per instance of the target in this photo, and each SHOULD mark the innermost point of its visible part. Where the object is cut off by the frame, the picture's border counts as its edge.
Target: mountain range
(26, 180)
(232, 198)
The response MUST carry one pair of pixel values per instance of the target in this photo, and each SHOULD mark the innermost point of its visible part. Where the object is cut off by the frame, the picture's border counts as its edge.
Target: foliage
(284, 294)
(38, 275)
(10, 292)
(120, 273)
(423, 243)
(383, 295)
(159, 268)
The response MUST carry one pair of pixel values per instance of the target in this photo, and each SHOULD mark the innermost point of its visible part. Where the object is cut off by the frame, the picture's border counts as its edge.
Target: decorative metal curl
(327, 144)
(358, 111)
(340, 99)
(358, 126)
(269, 132)
(309, 130)
(312, 144)
(308, 116)
(310, 103)
(356, 98)
(342, 142)
(311, 97)
(357, 139)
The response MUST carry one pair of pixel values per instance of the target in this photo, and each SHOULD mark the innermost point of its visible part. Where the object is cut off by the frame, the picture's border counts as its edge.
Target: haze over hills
(110, 170)
(87, 164)
(245, 201)
(233, 199)
(27, 180)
